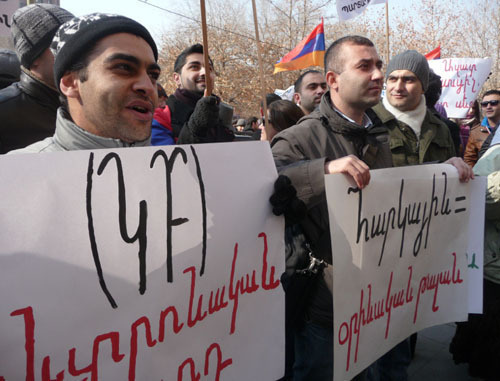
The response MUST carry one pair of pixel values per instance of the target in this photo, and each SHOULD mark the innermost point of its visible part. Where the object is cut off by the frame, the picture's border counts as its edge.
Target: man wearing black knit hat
(28, 107)
(106, 71)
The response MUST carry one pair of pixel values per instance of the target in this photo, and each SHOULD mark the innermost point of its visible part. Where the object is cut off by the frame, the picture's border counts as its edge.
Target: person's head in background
(162, 96)
(281, 115)
(270, 98)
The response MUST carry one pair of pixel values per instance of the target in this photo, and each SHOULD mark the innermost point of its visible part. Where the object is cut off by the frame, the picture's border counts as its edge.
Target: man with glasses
(480, 132)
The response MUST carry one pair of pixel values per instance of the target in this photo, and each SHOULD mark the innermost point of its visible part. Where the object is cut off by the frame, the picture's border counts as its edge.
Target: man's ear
(177, 79)
(70, 85)
(296, 98)
(331, 80)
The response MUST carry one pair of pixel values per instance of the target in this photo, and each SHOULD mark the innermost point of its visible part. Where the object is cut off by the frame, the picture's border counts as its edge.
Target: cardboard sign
(399, 258)
(7, 9)
(462, 80)
(158, 263)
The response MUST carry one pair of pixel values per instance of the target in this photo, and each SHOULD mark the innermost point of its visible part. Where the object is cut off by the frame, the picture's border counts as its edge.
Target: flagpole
(387, 30)
(206, 61)
(261, 69)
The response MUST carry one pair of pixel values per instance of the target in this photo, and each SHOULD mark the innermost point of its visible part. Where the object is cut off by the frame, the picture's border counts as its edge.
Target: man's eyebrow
(154, 66)
(364, 60)
(404, 77)
(315, 84)
(124, 57)
(194, 62)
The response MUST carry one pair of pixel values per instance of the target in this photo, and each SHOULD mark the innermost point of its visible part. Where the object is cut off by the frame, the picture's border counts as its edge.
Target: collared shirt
(366, 123)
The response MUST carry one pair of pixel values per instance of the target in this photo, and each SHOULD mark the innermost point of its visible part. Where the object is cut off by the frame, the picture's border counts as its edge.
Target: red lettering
(46, 371)
(234, 291)
(272, 283)
(409, 289)
(29, 334)
(199, 315)
(219, 303)
(133, 344)
(176, 327)
(388, 305)
(220, 365)
(456, 273)
(194, 376)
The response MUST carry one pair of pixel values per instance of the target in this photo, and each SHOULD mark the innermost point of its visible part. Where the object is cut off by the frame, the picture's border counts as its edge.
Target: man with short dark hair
(106, 69)
(480, 132)
(417, 136)
(28, 108)
(191, 117)
(343, 135)
(309, 88)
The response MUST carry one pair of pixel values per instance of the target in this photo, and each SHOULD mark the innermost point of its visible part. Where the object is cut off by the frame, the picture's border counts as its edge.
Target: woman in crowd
(466, 124)
(281, 115)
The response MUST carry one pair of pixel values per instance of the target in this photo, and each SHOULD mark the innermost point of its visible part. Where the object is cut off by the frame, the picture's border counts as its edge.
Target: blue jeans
(314, 354)
(393, 366)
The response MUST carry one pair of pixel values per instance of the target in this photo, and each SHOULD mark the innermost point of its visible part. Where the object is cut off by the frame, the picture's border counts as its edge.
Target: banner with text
(462, 80)
(399, 258)
(157, 263)
(348, 9)
(7, 9)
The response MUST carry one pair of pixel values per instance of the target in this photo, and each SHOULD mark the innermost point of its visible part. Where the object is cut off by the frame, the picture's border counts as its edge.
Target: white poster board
(158, 263)
(462, 80)
(7, 9)
(399, 258)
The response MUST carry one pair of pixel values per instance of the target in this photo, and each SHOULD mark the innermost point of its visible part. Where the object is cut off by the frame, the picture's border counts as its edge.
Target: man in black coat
(28, 107)
(194, 118)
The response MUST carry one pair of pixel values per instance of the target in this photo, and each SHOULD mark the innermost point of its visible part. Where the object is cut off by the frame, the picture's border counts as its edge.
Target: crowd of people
(92, 82)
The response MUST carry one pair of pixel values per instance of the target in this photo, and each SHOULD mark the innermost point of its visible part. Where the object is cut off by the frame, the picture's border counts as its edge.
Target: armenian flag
(434, 54)
(309, 52)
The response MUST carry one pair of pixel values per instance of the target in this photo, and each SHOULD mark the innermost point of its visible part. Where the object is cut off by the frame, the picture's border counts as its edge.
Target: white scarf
(413, 118)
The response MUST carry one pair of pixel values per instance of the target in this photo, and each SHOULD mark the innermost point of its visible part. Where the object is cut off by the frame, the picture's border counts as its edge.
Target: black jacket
(27, 113)
(197, 121)
(300, 152)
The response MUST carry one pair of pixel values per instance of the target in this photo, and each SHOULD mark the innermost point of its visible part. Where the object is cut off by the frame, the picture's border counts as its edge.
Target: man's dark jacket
(27, 113)
(300, 152)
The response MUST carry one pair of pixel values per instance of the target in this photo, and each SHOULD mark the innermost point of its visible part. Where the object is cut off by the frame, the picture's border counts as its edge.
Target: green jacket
(435, 143)
(489, 165)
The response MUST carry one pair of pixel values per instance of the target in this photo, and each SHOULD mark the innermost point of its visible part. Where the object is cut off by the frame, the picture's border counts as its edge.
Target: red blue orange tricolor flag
(434, 54)
(309, 52)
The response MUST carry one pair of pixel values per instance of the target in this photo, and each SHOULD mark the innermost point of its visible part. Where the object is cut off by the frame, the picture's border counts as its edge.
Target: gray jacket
(300, 152)
(69, 137)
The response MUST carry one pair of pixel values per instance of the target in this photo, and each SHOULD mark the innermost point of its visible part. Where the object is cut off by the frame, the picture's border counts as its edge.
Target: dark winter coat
(300, 152)
(27, 113)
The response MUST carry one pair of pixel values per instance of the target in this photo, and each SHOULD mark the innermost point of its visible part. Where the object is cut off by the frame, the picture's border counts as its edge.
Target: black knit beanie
(33, 28)
(77, 36)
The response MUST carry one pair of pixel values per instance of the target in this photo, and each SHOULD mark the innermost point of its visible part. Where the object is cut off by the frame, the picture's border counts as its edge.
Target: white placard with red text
(157, 263)
(399, 258)
(462, 80)
(7, 9)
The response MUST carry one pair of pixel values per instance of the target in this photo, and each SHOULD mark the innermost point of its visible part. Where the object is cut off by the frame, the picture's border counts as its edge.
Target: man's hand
(351, 166)
(464, 170)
